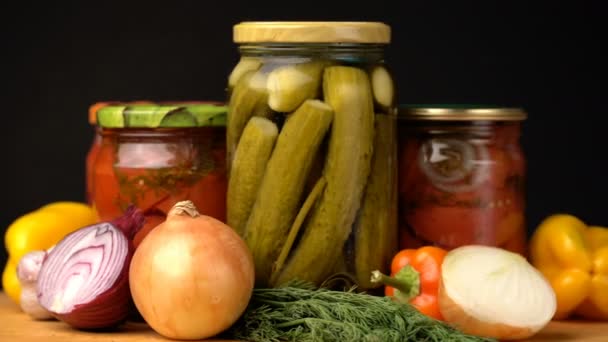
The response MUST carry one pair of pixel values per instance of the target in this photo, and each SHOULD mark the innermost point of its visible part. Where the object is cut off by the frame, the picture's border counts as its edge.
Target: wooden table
(17, 326)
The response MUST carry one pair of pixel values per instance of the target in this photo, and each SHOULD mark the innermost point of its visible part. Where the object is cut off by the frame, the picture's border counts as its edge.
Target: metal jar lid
(460, 113)
(162, 115)
(311, 32)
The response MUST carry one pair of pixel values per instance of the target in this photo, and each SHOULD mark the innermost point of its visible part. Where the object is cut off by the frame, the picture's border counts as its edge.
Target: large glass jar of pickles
(461, 177)
(311, 147)
(154, 155)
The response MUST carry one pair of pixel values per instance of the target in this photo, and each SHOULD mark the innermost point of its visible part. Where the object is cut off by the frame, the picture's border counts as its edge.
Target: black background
(58, 60)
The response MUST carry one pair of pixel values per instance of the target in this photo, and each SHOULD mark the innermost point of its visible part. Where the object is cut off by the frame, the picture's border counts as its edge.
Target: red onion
(84, 279)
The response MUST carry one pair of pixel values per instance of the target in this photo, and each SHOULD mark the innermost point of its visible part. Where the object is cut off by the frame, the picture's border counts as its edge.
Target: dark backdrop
(57, 60)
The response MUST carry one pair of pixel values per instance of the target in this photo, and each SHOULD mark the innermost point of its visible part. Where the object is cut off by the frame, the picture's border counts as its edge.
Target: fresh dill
(299, 311)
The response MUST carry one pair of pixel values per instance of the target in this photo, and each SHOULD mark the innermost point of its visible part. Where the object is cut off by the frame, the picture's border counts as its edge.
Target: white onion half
(491, 292)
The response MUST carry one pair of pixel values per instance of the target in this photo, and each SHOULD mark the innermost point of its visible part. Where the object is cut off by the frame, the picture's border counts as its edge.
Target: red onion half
(84, 279)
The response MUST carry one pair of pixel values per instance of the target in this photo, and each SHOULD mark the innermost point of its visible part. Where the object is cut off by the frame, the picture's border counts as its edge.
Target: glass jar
(93, 149)
(311, 139)
(461, 177)
(96, 143)
(154, 155)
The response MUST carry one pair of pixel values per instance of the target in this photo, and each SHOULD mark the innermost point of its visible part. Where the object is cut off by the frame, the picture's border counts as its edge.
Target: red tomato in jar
(451, 227)
(208, 195)
(448, 227)
(105, 188)
(151, 221)
(517, 243)
(407, 240)
(409, 172)
(456, 191)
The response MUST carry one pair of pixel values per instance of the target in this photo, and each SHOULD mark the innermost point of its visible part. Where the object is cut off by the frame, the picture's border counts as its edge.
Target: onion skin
(457, 317)
(192, 276)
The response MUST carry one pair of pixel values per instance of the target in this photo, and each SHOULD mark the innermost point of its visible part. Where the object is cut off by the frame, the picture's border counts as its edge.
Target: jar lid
(98, 105)
(461, 113)
(93, 111)
(311, 32)
(162, 115)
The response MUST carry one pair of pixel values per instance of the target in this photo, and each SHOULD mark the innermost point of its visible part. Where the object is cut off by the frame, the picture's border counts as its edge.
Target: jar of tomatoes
(154, 155)
(311, 140)
(461, 177)
(96, 143)
(93, 149)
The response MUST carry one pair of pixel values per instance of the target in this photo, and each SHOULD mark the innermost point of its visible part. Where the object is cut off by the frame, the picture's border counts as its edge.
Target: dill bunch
(299, 311)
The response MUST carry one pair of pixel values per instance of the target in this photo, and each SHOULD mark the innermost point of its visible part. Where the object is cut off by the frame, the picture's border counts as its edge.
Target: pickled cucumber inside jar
(307, 151)
(462, 184)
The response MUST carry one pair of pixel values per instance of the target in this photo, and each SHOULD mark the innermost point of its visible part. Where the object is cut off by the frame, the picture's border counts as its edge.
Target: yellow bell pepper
(40, 230)
(574, 258)
(10, 282)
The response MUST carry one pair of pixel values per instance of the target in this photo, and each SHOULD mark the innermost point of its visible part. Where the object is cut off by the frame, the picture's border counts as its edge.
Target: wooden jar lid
(311, 32)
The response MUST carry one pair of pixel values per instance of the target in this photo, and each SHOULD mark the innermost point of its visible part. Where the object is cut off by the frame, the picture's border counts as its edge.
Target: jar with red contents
(96, 143)
(461, 177)
(154, 155)
(93, 149)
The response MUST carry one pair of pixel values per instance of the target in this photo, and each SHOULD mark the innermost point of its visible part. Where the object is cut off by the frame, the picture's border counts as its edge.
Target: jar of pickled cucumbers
(154, 155)
(461, 177)
(311, 139)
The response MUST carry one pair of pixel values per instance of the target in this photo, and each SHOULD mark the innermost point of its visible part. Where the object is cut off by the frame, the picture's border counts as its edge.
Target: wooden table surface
(17, 326)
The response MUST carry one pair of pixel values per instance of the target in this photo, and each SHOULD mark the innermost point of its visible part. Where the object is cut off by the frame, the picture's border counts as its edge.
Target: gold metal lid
(461, 113)
(311, 32)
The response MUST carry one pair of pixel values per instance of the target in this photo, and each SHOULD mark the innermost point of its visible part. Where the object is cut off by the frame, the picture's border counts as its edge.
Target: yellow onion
(192, 276)
(491, 292)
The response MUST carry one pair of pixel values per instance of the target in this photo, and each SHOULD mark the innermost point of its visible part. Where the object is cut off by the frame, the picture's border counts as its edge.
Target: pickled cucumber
(245, 64)
(382, 87)
(348, 91)
(289, 85)
(248, 93)
(294, 231)
(375, 230)
(263, 110)
(248, 166)
(279, 196)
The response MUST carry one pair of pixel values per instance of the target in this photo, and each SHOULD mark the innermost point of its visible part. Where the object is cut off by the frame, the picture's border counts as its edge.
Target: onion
(192, 276)
(84, 279)
(29, 266)
(27, 273)
(491, 292)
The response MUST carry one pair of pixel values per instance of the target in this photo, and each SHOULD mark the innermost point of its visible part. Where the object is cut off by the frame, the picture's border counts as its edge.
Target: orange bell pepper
(414, 279)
